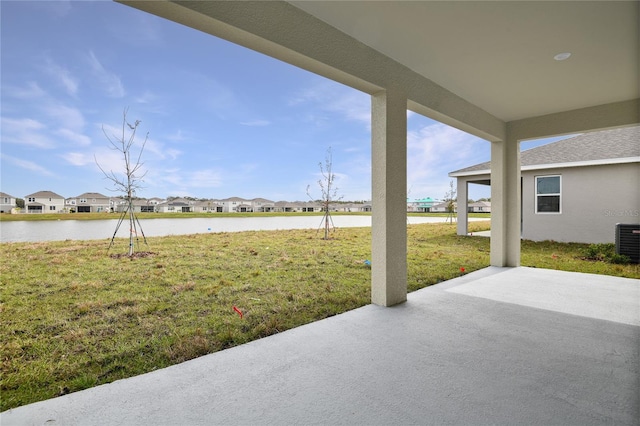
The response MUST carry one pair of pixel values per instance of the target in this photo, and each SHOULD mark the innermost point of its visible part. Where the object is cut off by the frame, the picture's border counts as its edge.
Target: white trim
(474, 173)
(602, 162)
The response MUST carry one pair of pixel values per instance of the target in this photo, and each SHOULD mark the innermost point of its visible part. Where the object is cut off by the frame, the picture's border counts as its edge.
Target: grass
(75, 317)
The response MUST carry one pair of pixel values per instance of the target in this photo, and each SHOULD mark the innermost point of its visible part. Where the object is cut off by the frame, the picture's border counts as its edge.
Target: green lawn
(74, 316)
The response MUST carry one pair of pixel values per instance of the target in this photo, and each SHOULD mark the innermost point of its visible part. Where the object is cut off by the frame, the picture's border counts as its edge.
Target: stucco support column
(505, 203)
(389, 198)
(463, 206)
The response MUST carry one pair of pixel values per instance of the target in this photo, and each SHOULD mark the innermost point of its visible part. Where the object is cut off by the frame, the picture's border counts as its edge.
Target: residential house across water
(44, 202)
(7, 202)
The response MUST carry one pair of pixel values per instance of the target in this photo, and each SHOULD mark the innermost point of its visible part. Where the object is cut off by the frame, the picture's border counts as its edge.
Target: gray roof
(44, 194)
(91, 195)
(4, 194)
(594, 146)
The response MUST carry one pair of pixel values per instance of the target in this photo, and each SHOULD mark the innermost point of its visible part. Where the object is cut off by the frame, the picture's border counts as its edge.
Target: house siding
(7, 202)
(44, 202)
(594, 199)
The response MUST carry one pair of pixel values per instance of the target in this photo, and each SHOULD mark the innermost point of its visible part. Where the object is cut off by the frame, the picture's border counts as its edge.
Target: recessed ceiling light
(562, 56)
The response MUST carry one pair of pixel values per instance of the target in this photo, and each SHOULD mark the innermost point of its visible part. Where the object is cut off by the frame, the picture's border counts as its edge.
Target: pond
(60, 230)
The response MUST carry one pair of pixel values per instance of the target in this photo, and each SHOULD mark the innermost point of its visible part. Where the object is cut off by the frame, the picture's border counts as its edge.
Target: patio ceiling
(499, 55)
(476, 65)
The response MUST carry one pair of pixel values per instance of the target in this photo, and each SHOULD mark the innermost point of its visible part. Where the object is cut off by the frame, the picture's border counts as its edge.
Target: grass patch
(75, 317)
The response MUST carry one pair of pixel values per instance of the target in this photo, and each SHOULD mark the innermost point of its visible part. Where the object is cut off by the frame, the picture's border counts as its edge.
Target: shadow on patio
(498, 346)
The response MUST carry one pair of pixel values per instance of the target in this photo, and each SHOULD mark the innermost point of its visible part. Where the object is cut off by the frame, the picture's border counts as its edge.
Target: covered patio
(497, 346)
(502, 71)
(504, 345)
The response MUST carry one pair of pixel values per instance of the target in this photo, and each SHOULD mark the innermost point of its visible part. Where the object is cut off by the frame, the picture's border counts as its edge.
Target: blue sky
(222, 120)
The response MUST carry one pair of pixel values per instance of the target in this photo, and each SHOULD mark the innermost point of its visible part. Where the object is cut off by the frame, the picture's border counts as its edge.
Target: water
(60, 230)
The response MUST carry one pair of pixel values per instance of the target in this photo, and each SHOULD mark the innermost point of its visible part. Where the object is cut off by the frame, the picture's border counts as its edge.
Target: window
(52, 207)
(32, 200)
(548, 189)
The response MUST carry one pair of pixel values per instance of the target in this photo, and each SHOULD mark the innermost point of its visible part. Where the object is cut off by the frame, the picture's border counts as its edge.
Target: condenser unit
(628, 240)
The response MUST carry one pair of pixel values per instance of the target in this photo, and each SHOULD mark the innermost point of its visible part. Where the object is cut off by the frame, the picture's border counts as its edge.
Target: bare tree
(130, 180)
(329, 192)
(450, 199)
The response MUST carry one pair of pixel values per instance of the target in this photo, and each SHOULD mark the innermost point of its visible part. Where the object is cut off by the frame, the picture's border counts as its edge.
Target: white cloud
(26, 131)
(65, 117)
(109, 81)
(156, 148)
(74, 137)
(204, 179)
(28, 165)
(62, 76)
(435, 150)
(78, 158)
(173, 153)
(31, 91)
(177, 136)
(332, 97)
(109, 160)
(180, 180)
(146, 97)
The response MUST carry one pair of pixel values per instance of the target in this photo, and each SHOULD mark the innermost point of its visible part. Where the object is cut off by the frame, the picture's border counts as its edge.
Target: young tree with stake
(450, 200)
(329, 191)
(130, 180)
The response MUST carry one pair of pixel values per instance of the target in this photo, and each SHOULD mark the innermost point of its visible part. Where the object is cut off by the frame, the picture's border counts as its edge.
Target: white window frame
(558, 194)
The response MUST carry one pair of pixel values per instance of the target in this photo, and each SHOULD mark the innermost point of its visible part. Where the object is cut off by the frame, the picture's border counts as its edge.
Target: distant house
(443, 207)
(90, 202)
(44, 202)
(353, 207)
(479, 207)
(7, 202)
(262, 205)
(576, 189)
(208, 206)
(140, 205)
(179, 205)
(154, 201)
(421, 205)
(230, 205)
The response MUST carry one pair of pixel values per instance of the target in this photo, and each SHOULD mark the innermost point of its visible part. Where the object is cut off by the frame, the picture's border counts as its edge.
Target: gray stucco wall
(594, 199)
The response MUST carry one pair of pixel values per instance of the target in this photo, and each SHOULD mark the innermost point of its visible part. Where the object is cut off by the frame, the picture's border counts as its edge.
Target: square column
(505, 203)
(463, 206)
(389, 198)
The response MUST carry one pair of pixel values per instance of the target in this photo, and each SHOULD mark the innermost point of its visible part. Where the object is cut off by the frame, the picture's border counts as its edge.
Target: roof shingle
(607, 144)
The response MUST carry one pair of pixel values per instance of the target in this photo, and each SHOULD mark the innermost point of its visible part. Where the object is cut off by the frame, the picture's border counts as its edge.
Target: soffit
(498, 55)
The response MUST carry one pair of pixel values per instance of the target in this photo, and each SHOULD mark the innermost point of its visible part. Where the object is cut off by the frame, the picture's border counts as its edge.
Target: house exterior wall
(593, 200)
(95, 204)
(49, 203)
(7, 203)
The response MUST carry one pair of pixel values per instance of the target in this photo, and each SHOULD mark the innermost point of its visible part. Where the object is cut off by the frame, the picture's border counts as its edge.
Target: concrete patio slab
(467, 351)
(595, 296)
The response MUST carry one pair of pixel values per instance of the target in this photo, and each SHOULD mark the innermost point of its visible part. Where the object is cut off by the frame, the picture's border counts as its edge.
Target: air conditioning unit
(628, 240)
